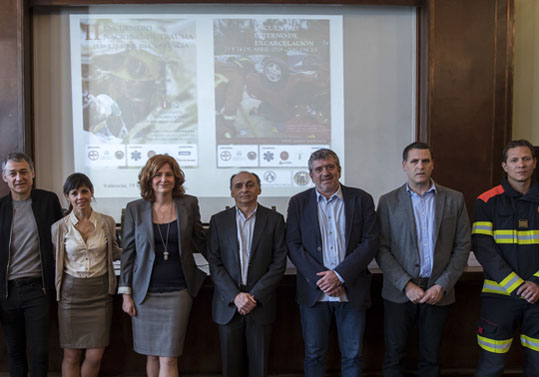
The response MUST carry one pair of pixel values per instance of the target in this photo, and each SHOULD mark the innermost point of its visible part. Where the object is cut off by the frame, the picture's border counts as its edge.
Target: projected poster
(218, 94)
(272, 90)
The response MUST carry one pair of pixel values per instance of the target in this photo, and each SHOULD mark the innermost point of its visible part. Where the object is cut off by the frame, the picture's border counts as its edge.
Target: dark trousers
(399, 319)
(25, 316)
(315, 323)
(244, 347)
(500, 318)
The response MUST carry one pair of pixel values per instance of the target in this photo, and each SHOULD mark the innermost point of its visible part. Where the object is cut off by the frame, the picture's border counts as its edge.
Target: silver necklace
(165, 244)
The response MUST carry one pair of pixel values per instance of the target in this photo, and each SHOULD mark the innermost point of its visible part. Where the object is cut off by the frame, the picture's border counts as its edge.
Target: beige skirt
(84, 312)
(161, 323)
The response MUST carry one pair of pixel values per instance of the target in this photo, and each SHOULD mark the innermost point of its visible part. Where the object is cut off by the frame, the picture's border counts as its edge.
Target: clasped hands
(419, 296)
(244, 302)
(329, 283)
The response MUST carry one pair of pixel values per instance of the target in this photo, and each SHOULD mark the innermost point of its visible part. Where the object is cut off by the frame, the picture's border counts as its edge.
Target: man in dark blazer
(247, 257)
(424, 247)
(26, 266)
(332, 236)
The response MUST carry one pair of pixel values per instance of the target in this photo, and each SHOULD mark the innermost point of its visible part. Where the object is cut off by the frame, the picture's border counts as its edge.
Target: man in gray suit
(247, 257)
(424, 247)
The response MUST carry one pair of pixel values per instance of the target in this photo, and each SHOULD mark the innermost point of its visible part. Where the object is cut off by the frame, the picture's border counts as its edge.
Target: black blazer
(266, 265)
(305, 245)
(47, 211)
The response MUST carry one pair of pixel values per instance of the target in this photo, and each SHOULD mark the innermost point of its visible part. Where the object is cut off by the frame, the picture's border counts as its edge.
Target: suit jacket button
(319, 248)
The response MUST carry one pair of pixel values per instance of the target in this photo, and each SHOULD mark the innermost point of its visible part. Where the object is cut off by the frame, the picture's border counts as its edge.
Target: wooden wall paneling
(136, 2)
(14, 132)
(467, 119)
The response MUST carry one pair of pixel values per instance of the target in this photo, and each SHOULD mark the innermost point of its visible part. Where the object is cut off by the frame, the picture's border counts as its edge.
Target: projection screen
(223, 89)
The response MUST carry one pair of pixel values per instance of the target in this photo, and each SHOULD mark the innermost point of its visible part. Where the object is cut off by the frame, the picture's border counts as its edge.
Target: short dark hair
(73, 182)
(416, 145)
(248, 172)
(17, 157)
(518, 143)
(322, 154)
(76, 180)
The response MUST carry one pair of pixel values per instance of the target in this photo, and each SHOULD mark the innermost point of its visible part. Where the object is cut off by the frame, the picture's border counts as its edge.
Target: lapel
(405, 203)
(439, 200)
(147, 227)
(181, 216)
(349, 210)
(312, 206)
(260, 224)
(231, 234)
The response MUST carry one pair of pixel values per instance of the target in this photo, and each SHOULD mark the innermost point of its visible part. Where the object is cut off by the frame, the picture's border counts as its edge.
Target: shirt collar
(336, 194)
(532, 194)
(239, 213)
(74, 221)
(432, 189)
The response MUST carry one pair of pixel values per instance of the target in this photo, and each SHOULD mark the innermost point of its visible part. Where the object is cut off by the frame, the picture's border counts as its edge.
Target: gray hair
(322, 154)
(17, 157)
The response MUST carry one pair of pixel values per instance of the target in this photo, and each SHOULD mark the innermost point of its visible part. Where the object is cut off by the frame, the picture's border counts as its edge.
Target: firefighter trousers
(500, 318)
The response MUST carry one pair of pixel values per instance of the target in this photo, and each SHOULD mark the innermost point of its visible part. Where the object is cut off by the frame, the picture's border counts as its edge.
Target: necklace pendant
(165, 255)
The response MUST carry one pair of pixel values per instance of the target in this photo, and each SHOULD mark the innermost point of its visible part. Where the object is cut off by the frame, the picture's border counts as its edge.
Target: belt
(24, 281)
(421, 282)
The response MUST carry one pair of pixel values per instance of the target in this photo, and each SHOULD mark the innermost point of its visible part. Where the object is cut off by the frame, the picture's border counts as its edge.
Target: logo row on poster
(121, 155)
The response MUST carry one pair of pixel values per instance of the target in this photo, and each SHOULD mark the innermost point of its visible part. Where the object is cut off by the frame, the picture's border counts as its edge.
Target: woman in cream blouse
(85, 245)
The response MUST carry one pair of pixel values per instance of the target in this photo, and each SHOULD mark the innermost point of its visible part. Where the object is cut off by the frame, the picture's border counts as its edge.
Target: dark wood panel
(12, 116)
(33, 3)
(468, 119)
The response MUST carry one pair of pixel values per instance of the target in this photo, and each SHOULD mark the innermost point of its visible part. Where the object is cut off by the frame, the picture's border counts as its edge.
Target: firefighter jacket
(505, 238)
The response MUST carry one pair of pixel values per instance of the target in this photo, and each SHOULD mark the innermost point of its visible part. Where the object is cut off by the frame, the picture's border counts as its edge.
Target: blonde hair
(150, 170)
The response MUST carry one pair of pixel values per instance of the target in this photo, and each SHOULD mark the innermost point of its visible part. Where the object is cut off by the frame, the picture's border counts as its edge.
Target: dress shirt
(85, 259)
(245, 226)
(423, 206)
(332, 222)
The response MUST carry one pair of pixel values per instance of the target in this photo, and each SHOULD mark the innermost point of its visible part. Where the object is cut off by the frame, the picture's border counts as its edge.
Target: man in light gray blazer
(247, 257)
(424, 247)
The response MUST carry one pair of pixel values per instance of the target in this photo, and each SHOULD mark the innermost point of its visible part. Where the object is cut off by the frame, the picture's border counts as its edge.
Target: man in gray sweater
(26, 266)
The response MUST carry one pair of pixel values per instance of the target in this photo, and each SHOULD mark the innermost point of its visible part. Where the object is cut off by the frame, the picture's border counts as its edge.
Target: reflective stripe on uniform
(494, 346)
(220, 79)
(511, 282)
(529, 342)
(490, 286)
(482, 227)
(536, 274)
(506, 287)
(521, 237)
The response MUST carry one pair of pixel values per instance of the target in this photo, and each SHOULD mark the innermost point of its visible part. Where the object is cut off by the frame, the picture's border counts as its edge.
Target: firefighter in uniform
(505, 238)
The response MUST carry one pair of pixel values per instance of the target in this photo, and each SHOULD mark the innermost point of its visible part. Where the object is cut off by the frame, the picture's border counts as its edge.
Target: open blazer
(138, 246)
(398, 255)
(266, 264)
(59, 230)
(305, 245)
